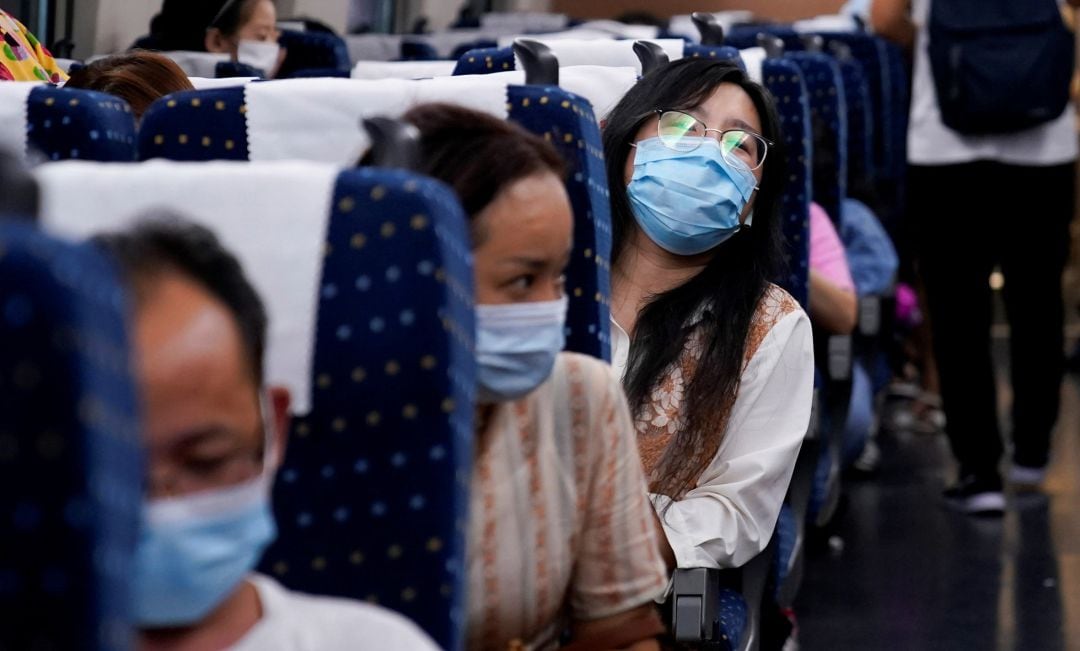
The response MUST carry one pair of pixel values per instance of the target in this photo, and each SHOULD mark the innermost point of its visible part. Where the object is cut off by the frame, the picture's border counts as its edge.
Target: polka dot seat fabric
(71, 468)
(828, 126)
(74, 124)
(883, 69)
(860, 163)
(371, 499)
(367, 280)
(718, 52)
(784, 80)
(482, 61)
(215, 125)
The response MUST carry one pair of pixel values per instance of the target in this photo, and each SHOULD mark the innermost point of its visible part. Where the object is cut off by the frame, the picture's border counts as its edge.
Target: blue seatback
(485, 60)
(861, 127)
(211, 125)
(418, 51)
(70, 123)
(197, 125)
(784, 81)
(70, 463)
(308, 50)
(464, 48)
(828, 126)
(871, 53)
(899, 86)
(372, 499)
(719, 52)
(568, 122)
(746, 36)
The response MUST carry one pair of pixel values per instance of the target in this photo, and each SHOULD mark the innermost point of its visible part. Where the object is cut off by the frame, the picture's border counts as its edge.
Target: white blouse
(729, 516)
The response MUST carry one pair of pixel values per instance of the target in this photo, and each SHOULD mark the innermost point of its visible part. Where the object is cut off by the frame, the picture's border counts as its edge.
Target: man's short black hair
(170, 244)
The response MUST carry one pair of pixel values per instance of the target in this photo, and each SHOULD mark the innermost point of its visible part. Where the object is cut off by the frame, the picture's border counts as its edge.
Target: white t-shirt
(930, 142)
(293, 621)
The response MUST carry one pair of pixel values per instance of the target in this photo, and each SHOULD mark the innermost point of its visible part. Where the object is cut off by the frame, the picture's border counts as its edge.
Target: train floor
(903, 572)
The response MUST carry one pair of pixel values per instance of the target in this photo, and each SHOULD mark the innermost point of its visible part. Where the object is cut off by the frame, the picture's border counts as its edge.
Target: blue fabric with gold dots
(211, 125)
(860, 125)
(371, 501)
(482, 61)
(718, 52)
(308, 50)
(784, 81)
(828, 126)
(196, 125)
(732, 613)
(568, 122)
(70, 463)
(76, 124)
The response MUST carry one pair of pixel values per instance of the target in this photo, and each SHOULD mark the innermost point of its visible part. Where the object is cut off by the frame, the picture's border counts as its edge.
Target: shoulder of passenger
(336, 618)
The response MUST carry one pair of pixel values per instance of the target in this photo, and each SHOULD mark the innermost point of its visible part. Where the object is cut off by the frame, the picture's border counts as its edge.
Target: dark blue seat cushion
(70, 458)
(76, 124)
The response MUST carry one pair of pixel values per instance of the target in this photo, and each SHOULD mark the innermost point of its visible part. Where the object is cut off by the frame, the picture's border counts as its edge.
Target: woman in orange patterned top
(22, 57)
(561, 533)
(717, 361)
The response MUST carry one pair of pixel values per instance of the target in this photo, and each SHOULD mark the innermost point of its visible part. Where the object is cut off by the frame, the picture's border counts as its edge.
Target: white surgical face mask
(262, 55)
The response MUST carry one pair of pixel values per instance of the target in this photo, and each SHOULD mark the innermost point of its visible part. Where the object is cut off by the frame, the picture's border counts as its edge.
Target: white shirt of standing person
(293, 621)
(930, 142)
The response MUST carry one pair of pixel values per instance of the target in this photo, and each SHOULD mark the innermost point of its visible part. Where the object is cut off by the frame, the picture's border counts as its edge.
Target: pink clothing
(827, 255)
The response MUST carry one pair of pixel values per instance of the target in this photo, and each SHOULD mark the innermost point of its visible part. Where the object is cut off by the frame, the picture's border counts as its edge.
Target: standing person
(992, 182)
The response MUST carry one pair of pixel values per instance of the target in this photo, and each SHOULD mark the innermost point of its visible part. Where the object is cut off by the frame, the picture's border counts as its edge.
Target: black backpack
(999, 66)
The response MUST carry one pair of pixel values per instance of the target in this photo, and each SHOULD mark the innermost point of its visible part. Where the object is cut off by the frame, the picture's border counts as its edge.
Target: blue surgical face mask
(193, 551)
(516, 346)
(688, 202)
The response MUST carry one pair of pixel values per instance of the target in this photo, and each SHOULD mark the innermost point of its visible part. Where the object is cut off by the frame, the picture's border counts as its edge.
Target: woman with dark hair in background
(716, 360)
(138, 78)
(244, 29)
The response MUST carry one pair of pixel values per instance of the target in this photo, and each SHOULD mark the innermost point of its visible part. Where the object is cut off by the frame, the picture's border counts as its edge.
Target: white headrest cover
(272, 216)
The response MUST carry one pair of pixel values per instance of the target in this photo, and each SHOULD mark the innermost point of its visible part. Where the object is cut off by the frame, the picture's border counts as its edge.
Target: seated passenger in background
(717, 361)
(214, 435)
(247, 31)
(561, 533)
(138, 77)
(24, 58)
(833, 304)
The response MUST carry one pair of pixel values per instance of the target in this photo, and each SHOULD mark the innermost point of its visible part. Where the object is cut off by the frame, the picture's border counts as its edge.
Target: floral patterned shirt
(727, 515)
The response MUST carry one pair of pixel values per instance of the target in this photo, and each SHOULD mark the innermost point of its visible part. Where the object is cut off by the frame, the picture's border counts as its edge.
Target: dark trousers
(967, 219)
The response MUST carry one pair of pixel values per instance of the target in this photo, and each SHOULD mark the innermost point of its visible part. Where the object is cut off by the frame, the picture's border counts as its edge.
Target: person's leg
(1034, 249)
(860, 418)
(956, 256)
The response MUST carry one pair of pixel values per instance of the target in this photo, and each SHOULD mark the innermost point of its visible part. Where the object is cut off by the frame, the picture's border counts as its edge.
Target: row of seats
(411, 235)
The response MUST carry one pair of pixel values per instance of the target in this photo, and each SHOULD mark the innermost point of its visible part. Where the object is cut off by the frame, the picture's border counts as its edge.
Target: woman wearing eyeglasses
(717, 361)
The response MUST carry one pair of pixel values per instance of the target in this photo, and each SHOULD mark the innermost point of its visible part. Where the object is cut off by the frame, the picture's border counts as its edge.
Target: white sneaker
(1026, 476)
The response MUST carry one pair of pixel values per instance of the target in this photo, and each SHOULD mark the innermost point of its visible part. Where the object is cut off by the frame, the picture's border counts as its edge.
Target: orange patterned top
(734, 482)
(561, 528)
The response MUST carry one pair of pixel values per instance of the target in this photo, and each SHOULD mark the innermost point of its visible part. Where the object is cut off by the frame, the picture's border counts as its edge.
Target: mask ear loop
(269, 426)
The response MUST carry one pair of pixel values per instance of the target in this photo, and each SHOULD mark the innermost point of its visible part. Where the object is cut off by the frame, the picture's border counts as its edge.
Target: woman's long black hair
(730, 286)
